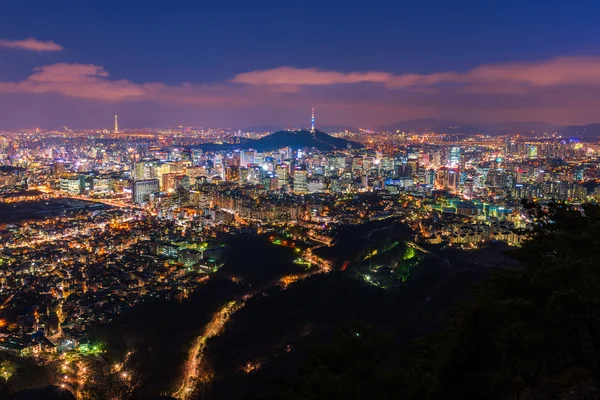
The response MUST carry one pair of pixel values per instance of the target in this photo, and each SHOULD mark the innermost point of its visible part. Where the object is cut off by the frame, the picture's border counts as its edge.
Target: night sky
(240, 63)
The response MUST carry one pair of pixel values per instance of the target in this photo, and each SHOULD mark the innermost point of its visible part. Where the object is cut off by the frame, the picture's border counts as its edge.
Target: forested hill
(531, 332)
(295, 139)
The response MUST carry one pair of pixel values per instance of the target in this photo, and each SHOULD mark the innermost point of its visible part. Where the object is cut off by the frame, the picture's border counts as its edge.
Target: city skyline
(299, 200)
(234, 67)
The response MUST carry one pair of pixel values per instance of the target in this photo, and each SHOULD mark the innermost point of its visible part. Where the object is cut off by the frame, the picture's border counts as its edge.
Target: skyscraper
(143, 189)
(300, 182)
(247, 157)
(116, 125)
(455, 156)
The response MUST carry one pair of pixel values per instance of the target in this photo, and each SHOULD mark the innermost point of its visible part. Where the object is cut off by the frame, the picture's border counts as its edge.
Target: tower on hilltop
(312, 128)
(116, 124)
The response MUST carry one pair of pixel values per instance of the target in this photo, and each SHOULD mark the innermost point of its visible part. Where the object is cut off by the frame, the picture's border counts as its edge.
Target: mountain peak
(298, 138)
(302, 138)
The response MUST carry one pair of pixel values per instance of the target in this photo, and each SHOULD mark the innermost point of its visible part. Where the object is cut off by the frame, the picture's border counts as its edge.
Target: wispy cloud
(88, 81)
(563, 90)
(76, 80)
(31, 44)
(93, 81)
(287, 76)
(508, 77)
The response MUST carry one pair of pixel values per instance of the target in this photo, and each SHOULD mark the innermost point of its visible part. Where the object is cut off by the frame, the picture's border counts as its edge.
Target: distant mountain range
(583, 131)
(422, 125)
(295, 139)
(501, 128)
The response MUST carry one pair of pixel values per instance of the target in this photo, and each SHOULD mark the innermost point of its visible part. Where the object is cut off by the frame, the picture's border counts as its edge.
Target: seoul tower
(116, 125)
(312, 129)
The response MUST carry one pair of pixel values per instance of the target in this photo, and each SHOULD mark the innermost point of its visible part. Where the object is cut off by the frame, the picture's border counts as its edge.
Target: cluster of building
(63, 272)
(157, 206)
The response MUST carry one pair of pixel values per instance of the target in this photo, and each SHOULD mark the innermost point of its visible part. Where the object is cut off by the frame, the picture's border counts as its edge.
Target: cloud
(290, 76)
(31, 44)
(565, 89)
(81, 81)
(554, 72)
(508, 77)
(93, 82)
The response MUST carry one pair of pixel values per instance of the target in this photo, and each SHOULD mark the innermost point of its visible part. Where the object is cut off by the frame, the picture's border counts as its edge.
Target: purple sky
(269, 63)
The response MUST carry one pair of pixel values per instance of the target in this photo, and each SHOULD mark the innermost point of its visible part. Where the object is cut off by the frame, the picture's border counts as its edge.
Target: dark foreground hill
(58, 393)
(268, 339)
(530, 332)
(45, 393)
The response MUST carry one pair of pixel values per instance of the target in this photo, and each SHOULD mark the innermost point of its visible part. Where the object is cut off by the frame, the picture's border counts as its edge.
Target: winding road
(196, 372)
(193, 374)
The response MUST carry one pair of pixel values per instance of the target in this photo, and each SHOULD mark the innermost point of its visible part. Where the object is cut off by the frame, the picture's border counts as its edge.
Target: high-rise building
(454, 155)
(101, 184)
(173, 181)
(357, 165)
(73, 184)
(195, 173)
(282, 175)
(159, 171)
(232, 174)
(58, 168)
(247, 157)
(413, 163)
(533, 151)
(453, 180)
(437, 159)
(316, 184)
(144, 170)
(143, 189)
(116, 124)
(274, 183)
(300, 182)
(243, 176)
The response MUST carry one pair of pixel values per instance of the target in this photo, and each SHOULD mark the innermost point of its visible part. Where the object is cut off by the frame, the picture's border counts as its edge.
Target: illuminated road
(324, 265)
(417, 247)
(109, 202)
(194, 374)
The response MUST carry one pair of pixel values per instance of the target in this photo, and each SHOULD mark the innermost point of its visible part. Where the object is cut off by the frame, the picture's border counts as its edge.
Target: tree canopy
(531, 332)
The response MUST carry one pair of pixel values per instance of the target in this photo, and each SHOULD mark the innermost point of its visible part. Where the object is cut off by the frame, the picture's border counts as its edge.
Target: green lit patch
(301, 261)
(91, 349)
(409, 253)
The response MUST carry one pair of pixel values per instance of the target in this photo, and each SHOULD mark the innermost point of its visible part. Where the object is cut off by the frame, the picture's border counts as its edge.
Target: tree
(346, 368)
(531, 332)
(113, 383)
